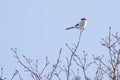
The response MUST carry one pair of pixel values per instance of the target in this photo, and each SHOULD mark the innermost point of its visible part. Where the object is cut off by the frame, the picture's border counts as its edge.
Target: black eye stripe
(83, 19)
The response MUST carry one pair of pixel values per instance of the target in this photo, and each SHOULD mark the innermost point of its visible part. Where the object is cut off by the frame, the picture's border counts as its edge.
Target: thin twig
(47, 62)
(109, 38)
(55, 66)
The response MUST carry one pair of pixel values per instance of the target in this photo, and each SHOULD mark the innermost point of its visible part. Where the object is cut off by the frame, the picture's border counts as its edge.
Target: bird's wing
(76, 24)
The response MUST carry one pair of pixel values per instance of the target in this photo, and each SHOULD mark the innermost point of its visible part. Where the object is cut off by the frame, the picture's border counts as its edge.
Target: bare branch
(71, 57)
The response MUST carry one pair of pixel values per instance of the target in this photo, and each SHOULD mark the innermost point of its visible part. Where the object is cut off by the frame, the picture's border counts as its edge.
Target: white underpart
(82, 25)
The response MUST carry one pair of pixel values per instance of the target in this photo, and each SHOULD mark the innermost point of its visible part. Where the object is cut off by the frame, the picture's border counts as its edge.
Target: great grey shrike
(80, 26)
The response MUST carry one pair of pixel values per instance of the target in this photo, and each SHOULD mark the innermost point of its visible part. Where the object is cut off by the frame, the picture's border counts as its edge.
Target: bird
(80, 26)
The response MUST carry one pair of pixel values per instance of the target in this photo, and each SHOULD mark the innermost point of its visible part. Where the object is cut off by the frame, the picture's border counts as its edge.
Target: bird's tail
(70, 28)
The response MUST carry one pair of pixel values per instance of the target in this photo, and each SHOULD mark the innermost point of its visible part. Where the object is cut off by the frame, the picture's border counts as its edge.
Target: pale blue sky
(37, 27)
